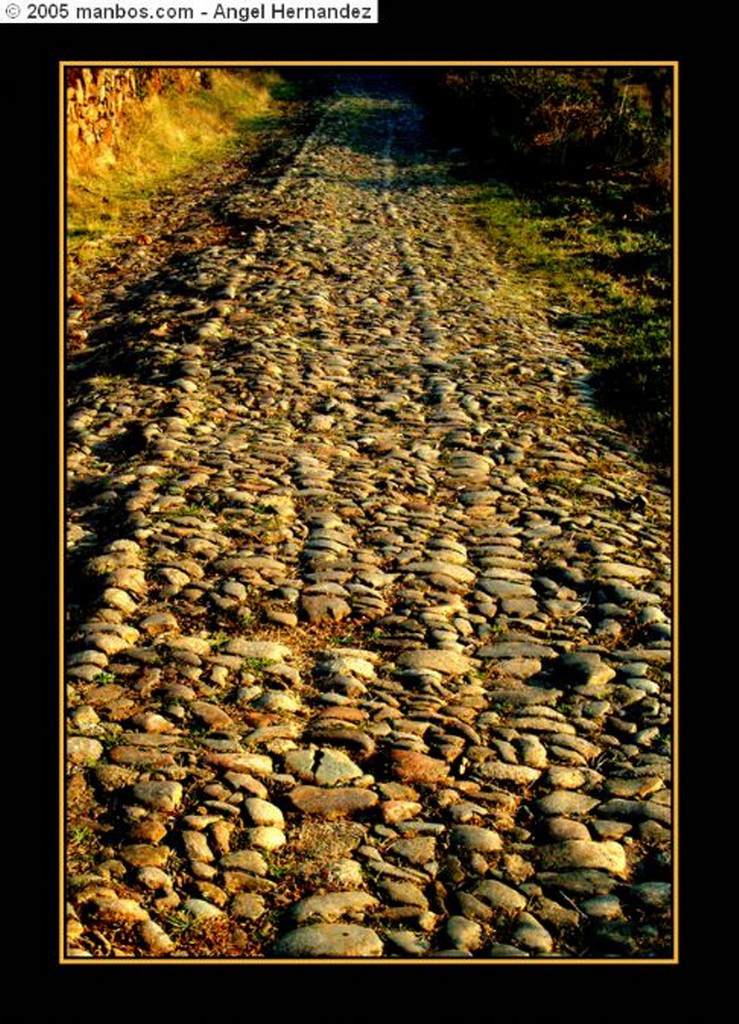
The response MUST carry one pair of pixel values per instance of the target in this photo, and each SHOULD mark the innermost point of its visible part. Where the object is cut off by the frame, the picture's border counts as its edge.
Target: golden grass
(168, 135)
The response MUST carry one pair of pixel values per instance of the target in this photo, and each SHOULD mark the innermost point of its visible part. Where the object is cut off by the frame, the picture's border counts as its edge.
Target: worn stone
(499, 895)
(262, 812)
(412, 766)
(584, 853)
(532, 935)
(329, 940)
(331, 803)
(585, 668)
(472, 837)
(164, 796)
(142, 855)
(566, 801)
(83, 750)
(332, 907)
(446, 662)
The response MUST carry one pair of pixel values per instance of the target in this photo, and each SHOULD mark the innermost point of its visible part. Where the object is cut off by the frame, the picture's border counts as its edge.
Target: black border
(407, 32)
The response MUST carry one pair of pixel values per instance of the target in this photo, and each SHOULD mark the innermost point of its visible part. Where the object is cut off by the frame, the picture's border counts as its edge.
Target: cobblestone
(338, 679)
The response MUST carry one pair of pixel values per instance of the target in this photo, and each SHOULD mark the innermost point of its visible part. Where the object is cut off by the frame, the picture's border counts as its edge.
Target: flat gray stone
(636, 810)
(334, 766)
(504, 951)
(532, 935)
(447, 662)
(409, 943)
(321, 607)
(472, 837)
(403, 892)
(566, 801)
(584, 668)
(155, 938)
(329, 940)
(254, 764)
(250, 861)
(266, 837)
(584, 853)
(580, 881)
(416, 851)
(114, 910)
(499, 771)
(201, 910)
(332, 906)
(606, 908)
(262, 812)
(656, 895)
(560, 829)
(436, 565)
(499, 895)
(259, 650)
(562, 777)
(248, 905)
(516, 649)
(164, 796)
(621, 571)
(505, 588)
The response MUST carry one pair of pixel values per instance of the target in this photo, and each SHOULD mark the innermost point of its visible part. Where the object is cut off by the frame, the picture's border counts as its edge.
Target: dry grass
(167, 136)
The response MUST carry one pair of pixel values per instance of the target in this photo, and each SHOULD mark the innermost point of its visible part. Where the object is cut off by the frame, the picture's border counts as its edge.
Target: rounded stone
(607, 908)
(416, 851)
(464, 934)
(499, 771)
(164, 796)
(262, 812)
(447, 662)
(260, 650)
(655, 895)
(532, 935)
(472, 837)
(249, 905)
(335, 766)
(114, 910)
(561, 777)
(585, 668)
(403, 892)
(201, 910)
(565, 801)
(266, 837)
(155, 938)
(498, 894)
(413, 766)
(329, 940)
(143, 855)
(250, 861)
(332, 906)
(331, 803)
(583, 853)
(154, 879)
(345, 873)
(83, 750)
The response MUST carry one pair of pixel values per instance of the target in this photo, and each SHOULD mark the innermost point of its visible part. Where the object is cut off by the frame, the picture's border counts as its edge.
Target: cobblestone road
(368, 609)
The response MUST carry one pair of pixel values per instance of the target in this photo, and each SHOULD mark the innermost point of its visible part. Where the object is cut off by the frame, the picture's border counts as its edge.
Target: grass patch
(167, 136)
(601, 253)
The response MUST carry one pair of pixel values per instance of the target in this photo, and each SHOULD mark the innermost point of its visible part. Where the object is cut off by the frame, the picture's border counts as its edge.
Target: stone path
(368, 610)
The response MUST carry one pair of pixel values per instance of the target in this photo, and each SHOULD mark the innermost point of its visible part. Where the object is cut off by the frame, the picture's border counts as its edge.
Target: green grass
(601, 254)
(257, 664)
(104, 677)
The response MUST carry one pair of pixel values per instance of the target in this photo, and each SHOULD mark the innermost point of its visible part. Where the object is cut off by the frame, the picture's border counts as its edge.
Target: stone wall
(98, 99)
